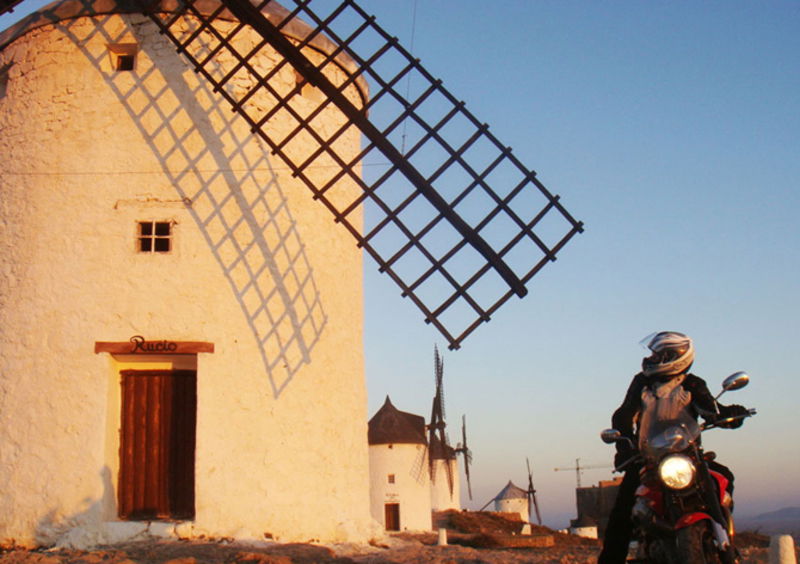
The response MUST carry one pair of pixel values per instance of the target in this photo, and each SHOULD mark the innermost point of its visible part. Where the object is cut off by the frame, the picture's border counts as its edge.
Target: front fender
(720, 535)
(691, 519)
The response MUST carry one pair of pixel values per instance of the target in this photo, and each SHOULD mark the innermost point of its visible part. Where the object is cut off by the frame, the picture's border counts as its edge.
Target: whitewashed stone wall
(85, 153)
(513, 505)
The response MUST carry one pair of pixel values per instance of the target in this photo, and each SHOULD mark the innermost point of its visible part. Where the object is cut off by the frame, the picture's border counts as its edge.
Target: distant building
(594, 504)
(583, 526)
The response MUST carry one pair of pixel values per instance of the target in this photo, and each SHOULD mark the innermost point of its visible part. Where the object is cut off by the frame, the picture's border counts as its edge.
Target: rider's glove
(734, 410)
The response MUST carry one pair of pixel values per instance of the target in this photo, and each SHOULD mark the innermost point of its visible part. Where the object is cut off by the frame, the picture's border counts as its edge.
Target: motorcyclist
(663, 386)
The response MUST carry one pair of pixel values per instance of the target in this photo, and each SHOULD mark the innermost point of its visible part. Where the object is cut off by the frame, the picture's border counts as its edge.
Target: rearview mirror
(610, 436)
(735, 381)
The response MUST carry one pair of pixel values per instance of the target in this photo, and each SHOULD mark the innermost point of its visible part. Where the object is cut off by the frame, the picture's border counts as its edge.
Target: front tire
(695, 544)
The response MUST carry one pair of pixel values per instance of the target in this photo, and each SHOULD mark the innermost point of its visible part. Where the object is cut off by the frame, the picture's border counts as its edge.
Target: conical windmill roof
(62, 10)
(392, 426)
(511, 492)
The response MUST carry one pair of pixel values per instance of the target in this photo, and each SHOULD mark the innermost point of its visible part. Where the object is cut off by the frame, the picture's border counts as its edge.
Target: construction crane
(578, 469)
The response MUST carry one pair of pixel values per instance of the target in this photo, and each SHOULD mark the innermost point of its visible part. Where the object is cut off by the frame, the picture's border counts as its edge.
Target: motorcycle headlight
(676, 471)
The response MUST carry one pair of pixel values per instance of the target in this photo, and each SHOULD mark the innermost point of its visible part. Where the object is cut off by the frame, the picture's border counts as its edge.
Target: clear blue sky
(672, 130)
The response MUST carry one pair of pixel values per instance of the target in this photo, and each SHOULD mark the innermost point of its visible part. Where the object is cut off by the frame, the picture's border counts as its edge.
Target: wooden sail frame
(459, 235)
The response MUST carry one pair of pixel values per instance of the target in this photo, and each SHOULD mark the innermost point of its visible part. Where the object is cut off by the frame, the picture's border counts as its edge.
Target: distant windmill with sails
(442, 457)
(513, 499)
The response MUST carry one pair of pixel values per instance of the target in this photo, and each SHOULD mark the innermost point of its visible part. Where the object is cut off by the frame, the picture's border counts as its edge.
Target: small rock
(182, 560)
(261, 558)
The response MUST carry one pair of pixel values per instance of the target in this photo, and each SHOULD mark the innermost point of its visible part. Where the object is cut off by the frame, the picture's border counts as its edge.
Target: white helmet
(672, 354)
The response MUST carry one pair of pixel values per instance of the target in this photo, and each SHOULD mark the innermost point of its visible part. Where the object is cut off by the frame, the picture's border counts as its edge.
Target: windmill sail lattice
(533, 504)
(464, 450)
(456, 220)
(438, 442)
(8, 5)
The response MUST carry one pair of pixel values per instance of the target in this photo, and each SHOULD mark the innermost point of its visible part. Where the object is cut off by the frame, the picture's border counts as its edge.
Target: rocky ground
(398, 551)
(472, 539)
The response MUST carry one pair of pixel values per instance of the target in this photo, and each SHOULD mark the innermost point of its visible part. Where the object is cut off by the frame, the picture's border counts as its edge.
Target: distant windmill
(579, 469)
(442, 456)
(438, 444)
(462, 449)
(533, 505)
(513, 499)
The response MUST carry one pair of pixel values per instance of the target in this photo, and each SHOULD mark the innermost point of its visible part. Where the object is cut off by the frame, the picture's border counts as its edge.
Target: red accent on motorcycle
(654, 497)
(691, 519)
(722, 482)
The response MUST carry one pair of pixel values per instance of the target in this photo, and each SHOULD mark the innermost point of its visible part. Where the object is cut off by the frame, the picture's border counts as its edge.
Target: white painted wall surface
(411, 488)
(586, 532)
(442, 497)
(86, 152)
(513, 505)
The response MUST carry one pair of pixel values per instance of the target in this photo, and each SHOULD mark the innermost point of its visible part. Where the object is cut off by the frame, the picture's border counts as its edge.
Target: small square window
(391, 478)
(125, 62)
(154, 237)
(123, 56)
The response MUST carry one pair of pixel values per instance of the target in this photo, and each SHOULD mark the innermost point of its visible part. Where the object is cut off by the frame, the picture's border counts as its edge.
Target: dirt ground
(472, 538)
(397, 549)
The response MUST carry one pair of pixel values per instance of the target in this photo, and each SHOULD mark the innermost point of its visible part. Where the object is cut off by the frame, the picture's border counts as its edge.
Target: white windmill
(522, 502)
(443, 458)
(398, 463)
(175, 295)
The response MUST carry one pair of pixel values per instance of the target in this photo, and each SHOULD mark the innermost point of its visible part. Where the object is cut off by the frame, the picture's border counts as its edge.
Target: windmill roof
(512, 492)
(61, 10)
(389, 425)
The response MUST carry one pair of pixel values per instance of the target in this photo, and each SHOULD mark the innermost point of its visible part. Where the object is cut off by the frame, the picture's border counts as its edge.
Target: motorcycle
(682, 512)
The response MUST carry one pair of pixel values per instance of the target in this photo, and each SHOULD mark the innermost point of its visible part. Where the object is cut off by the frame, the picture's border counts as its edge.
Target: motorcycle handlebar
(750, 413)
(622, 466)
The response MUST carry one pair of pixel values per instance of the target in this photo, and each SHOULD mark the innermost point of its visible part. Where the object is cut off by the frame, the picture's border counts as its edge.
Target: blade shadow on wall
(233, 194)
(456, 220)
(449, 213)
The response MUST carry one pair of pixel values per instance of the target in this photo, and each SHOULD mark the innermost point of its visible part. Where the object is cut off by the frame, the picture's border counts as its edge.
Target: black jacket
(702, 405)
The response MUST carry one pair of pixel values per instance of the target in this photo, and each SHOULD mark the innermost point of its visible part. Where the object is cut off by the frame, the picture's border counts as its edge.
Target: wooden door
(392, 515)
(157, 444)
